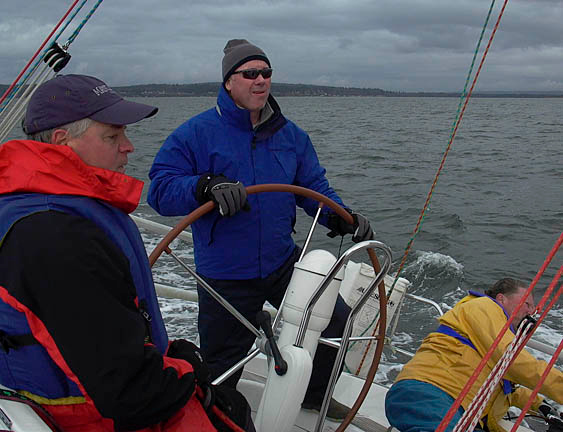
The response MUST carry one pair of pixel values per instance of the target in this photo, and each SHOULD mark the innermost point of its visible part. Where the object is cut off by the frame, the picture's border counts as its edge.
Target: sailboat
(274, 397)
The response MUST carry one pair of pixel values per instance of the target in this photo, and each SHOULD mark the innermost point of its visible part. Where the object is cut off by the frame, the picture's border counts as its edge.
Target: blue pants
(416, 406)
(224, 341)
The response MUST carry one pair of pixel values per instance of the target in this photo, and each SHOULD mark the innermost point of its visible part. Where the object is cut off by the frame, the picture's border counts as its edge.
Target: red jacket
(50, 170)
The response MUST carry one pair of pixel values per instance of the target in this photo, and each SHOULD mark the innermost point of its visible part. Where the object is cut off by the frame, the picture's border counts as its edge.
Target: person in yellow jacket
(431, 381)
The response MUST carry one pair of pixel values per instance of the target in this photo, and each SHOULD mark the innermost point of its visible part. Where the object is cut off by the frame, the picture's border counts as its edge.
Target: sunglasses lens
(252, 74)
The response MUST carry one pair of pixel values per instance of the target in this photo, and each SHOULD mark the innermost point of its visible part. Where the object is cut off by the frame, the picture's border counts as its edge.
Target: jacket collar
(480, 294)
(35, 167)
(240, 117)
(226, 107)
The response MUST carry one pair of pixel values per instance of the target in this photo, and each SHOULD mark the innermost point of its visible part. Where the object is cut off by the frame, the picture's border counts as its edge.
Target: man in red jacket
(81, 332)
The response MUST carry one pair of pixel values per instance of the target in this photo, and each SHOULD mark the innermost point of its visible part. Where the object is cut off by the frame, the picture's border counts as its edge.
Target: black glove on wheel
(360, 230)
(228, 195)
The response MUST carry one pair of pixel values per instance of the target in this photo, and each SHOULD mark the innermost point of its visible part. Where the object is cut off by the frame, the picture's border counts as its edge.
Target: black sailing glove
(547, 410)
(228, 195)
(230, 401)
(360, 229)
(185, 350)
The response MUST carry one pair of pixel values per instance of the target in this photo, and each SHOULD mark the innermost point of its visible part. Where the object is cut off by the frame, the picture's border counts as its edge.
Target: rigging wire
(81, 25)
(11, 117)
(547, 369)
(464, 100)
(472, 414)
(459, 114)
(17, 85)
(37, 52)
(55, 58)
(479, 402)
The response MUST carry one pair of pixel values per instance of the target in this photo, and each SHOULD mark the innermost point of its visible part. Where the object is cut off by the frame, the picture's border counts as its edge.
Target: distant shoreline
(281, 89)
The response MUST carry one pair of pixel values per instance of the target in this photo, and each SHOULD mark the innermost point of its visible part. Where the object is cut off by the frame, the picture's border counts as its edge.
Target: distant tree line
(281, 89)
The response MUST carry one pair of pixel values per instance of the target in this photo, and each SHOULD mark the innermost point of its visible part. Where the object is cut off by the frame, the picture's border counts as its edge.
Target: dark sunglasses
(252, 74)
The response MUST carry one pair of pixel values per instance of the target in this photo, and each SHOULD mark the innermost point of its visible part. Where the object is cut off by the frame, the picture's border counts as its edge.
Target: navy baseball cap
(69, 98)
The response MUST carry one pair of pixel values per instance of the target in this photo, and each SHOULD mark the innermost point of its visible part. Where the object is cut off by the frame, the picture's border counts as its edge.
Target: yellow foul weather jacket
(447, 363)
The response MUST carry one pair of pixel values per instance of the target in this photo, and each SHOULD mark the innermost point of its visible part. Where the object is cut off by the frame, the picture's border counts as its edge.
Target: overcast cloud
(408, 45)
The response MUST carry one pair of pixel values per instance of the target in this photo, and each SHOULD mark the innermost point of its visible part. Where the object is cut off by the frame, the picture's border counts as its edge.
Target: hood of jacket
(33, 167)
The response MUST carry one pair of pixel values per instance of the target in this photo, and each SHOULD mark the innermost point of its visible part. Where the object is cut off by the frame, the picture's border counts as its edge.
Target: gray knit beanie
(238, 52)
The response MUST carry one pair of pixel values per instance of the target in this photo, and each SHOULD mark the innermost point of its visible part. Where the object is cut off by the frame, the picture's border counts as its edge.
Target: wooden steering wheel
(164, 244)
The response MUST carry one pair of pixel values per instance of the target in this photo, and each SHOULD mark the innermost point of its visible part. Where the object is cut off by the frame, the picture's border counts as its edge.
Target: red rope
(5, 95)
(366, 350)
(525, 341)
(481, 397)
(548, 293)
(476, 407)
(540, 383)
(445, 422)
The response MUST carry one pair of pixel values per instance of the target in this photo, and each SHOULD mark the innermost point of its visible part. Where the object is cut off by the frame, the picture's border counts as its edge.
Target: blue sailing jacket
(222, 140)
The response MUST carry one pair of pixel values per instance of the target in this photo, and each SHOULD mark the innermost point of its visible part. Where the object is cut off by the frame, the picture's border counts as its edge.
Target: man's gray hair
(74, 129)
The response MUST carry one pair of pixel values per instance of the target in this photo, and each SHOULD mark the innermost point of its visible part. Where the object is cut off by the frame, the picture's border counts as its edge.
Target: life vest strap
(507, 386)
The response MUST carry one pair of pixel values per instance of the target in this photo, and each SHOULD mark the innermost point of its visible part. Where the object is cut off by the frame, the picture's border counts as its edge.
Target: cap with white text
(69, 98)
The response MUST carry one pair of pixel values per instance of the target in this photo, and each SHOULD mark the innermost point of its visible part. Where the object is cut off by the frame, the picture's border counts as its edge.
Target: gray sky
(409, 45)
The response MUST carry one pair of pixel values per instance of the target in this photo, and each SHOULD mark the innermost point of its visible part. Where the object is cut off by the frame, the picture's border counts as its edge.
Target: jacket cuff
(201, 187)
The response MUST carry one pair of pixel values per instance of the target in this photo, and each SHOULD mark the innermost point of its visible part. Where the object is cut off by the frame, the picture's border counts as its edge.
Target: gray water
(496, 211)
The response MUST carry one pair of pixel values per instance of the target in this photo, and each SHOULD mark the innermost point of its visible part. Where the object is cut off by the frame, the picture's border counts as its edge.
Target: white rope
(17, 109)
(35, 77)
